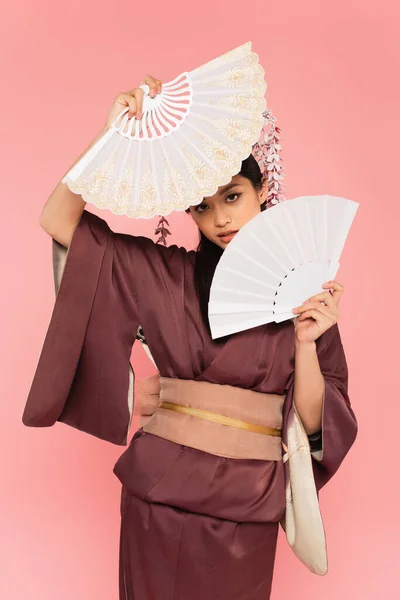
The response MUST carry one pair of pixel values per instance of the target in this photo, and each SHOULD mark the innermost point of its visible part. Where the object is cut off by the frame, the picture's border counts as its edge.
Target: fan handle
(161, 115)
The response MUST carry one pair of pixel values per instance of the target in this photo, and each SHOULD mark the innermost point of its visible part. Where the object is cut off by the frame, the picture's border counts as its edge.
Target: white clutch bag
(278, 260)
(192, 138)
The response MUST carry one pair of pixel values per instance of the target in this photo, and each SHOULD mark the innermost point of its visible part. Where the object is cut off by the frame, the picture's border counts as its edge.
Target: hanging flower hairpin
(267, 153)
(162, 230)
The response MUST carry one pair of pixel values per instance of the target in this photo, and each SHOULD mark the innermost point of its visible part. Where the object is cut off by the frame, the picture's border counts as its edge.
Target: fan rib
(225, 148)
(224, 108)
(124, 160)
(275, 235)
(310, 232)
(137, 179)
(248, 277)
(235, 291)
(189, 141)
(261, 243)
(154, 171)
(253, 260)
(151, 125)
(167, 160)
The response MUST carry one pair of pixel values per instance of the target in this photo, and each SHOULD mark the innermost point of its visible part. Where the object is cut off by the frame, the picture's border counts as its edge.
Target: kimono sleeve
(339, 423)
(84, 377)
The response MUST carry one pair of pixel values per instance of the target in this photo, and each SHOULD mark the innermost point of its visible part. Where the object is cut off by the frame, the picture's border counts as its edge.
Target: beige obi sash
(220, 419)
(237, 423)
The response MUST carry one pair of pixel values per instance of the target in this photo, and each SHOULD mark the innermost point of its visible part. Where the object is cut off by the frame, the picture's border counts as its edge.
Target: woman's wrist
(305, 346)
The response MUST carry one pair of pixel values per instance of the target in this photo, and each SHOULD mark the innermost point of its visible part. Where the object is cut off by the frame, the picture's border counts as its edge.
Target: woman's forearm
(308, 386)
(63, 208)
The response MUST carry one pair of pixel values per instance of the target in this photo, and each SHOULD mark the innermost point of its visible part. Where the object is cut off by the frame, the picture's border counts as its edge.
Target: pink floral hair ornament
(267, 154)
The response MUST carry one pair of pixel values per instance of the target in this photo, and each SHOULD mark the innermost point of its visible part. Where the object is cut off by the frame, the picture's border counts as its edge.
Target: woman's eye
(230, 196)
(200, 207)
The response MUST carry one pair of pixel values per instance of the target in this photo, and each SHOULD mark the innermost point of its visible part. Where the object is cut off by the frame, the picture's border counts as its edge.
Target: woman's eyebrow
(228, 187)
(225, 189)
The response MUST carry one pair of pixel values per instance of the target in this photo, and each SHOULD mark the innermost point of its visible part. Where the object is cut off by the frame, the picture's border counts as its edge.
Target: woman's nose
(221, 218)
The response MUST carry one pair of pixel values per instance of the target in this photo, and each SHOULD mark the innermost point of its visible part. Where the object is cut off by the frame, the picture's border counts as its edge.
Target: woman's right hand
(133, 99)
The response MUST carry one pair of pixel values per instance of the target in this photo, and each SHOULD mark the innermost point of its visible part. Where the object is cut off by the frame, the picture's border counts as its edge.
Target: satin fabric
(110, 284)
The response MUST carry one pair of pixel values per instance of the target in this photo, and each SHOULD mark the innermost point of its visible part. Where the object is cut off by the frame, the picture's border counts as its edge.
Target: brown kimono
(194, 525)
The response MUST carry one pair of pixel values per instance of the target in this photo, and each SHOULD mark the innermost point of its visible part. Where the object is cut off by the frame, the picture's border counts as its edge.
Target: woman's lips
(227, 238)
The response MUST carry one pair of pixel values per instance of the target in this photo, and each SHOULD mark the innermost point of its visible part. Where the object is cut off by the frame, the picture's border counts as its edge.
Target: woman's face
(233, 205)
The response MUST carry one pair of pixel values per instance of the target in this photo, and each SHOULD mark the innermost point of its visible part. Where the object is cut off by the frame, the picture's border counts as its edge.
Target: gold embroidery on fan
(147, 192)
(180, 190)
(122, 190)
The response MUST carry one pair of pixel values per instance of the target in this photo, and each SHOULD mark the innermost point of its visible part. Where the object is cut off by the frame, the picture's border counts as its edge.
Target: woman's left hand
(318, 313)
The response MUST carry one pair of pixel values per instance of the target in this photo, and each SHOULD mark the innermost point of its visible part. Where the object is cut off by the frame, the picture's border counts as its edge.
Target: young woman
(201, 499)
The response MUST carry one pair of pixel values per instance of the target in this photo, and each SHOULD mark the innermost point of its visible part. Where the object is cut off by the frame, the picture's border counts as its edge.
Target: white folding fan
(191, 139)
(278, 260)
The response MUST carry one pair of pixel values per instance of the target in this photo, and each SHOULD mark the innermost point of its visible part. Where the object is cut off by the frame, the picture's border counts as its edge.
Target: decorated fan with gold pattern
(191, 139)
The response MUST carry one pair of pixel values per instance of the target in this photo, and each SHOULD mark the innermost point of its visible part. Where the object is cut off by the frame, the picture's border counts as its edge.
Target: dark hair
(208, 253)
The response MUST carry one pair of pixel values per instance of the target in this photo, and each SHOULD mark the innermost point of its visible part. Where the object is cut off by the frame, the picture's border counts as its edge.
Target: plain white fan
(278, 260)
(192, 138)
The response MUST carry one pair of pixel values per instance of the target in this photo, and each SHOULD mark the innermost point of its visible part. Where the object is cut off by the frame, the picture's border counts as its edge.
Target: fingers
(337, 288)
(130, 99)
(138, 94)
(324, 309)
(327, 298)
(135, 102)
(333, 284)
(316, 310)
(316, 315)
(319, 301)
(155, 85)
(323, 303)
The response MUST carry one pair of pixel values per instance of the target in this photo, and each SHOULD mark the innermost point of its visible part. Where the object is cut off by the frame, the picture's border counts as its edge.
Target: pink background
(332, 71)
